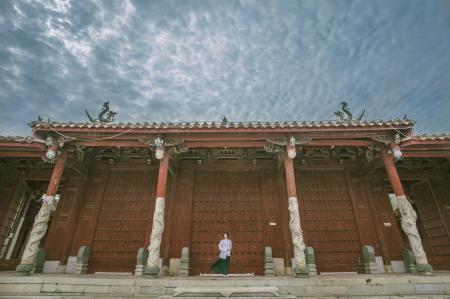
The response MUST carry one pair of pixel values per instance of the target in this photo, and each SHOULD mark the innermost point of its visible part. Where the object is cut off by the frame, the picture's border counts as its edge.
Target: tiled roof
(443, 136)
(231, 125)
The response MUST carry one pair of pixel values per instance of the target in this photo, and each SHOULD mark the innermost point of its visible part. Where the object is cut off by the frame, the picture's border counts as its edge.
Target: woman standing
(222, 265)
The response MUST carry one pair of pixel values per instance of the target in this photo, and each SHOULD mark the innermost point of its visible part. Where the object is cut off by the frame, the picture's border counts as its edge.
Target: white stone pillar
(37, 234)
(297, 234)
(409, 226)
(156, 235)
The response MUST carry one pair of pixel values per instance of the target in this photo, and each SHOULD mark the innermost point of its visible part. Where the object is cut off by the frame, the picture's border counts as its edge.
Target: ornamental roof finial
(105, 115)
(345, 114)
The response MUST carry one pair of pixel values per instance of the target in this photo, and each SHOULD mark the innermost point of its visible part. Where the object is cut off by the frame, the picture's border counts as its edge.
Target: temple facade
(344, 189)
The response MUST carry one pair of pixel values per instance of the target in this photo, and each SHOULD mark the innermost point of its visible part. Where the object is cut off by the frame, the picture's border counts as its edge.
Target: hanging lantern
(292, 153)
(397, 153)
(51, 154)
(159, 152)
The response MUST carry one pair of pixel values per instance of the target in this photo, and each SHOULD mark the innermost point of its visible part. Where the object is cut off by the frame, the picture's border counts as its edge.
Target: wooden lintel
(110, 143)
(424, 142)
(223, 144)
(427, 147)
(24, 145)
(21, 154)
(426, 154)
(357, 143)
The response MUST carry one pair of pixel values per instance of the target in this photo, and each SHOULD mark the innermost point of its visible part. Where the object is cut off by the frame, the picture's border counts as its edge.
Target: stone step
(327, 286)
(229, 275)
(302, 297)
(206, 291)
(71, 296)
(234, 297)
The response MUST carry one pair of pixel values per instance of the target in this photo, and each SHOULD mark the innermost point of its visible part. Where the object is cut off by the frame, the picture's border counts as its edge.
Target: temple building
(346, 189)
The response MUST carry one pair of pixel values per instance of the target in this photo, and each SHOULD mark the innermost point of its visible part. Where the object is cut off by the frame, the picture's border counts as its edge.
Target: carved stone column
(41, 221)
(408, 216)
(300, 268)
(152, 268)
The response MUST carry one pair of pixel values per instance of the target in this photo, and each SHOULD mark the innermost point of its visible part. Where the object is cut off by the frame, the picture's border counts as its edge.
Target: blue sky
(248, 60)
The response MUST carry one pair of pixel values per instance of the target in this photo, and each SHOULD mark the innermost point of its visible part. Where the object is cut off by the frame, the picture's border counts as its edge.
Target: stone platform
(326, 286)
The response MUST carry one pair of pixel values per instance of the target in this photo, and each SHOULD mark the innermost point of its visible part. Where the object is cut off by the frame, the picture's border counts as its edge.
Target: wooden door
(227, 202)
(431, 226)
(329, 220)
(123, 221)
(59, 237)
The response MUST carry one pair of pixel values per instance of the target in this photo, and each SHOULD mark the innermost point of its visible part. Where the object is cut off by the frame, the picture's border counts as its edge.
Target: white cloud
(263, 60)
(60, 6)
(79, 48)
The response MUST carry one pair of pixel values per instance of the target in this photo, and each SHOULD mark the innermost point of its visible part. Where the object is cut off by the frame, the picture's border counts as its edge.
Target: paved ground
(128, 286)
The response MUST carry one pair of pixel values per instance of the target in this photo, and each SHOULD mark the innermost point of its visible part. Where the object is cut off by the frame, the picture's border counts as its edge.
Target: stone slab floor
(327, 286)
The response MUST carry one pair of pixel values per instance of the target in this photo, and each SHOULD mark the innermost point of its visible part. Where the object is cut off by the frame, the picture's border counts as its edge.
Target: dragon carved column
(300, 268)
(41, 220)
(152, 268)
(408, 216)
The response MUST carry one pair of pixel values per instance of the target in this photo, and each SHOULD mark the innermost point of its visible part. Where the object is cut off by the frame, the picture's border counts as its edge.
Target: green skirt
(221, 266)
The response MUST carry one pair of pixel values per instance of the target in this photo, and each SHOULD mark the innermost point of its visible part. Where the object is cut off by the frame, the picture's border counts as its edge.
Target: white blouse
(225, 246)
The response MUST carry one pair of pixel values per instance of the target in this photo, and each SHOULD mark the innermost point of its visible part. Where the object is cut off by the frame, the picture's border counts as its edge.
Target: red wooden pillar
(300, 268)
(152, 268)
(57, 174)
(162, 176)
(408, 215)
(41, 221)
(290, 177)
(392, 174)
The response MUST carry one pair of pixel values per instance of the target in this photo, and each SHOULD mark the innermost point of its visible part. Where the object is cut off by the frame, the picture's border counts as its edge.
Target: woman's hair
(228, 235)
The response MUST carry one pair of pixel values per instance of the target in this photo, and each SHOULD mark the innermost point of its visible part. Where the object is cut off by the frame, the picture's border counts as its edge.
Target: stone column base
(141, 260)
(39, 260)
(301, 271)
(424, 269)
(268, 262)
(312, 269)
(409, 261)
(184, 262)
(311, 261)
(139, 270)
(150, 272)
(388, 269)
(82, 260)
(370, 268)
(24, 269)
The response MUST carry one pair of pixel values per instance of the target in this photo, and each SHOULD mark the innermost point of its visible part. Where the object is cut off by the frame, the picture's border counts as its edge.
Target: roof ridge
(221, 123)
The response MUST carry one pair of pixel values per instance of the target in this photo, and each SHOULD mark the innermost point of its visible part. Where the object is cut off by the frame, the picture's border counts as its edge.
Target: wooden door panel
(124, 218)
(434, 227)
(59, 234)
(227, 201)
(329, 220)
